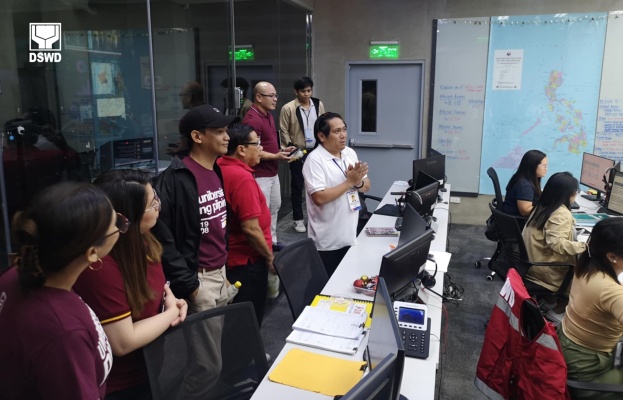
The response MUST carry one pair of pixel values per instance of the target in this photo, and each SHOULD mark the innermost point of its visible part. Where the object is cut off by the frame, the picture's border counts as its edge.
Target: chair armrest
(568, 276)
(598, 387)
(367, 196)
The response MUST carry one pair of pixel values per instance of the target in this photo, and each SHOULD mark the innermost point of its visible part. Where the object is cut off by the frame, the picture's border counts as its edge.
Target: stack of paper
(582, 219)
(328, 329)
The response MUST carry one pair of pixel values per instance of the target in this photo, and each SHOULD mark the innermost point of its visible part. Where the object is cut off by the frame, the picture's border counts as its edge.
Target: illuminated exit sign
(244, 54)
(385, 51)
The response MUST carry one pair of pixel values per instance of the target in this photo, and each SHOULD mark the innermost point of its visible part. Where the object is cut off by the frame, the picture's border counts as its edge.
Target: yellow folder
(326, 375)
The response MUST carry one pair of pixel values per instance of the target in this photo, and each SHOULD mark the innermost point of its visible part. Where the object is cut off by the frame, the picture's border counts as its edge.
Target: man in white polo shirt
(333, 176)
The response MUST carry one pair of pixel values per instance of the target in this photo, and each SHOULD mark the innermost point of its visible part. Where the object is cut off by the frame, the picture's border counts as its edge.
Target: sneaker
(299, 226)
(268, 358)
(278, 246)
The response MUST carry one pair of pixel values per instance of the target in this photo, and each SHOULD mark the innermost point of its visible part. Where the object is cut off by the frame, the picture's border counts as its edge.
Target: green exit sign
(244, 54)
(385, 51)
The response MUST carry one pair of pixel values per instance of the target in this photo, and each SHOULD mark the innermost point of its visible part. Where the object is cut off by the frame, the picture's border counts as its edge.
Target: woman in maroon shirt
(127, 292)
(51, 344)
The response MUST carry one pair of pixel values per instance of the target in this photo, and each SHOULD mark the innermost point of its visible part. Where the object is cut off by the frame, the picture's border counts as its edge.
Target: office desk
(418, 380)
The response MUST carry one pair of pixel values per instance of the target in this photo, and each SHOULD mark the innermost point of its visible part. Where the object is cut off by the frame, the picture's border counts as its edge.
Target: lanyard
(338, 165)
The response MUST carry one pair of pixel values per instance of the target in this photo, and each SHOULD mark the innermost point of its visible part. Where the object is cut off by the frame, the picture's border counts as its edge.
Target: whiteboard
(459, 98)
(609, 130)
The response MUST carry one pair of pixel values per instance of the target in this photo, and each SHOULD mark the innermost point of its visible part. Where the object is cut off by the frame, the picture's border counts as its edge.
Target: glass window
(368, 105)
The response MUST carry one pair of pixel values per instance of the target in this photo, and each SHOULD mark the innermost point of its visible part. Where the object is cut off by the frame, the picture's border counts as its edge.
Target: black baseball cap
(205, 116)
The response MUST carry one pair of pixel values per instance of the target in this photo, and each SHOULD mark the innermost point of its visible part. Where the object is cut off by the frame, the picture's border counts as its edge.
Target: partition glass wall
(89, 85)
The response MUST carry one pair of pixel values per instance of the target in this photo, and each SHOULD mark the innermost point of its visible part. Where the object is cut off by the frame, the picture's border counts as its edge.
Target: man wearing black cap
(193, 218)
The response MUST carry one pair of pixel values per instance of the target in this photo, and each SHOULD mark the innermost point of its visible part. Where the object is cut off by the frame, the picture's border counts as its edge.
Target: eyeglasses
(272, 95)
(258, 143)
(155, 203)
(122, 224)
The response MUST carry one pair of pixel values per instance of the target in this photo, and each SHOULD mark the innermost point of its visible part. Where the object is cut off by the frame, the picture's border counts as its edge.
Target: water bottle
(297, 154)
(232, 291)
(272, 290)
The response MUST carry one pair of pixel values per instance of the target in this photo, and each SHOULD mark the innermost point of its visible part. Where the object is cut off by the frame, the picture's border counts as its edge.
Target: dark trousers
(297, 185)
(254, 279)
(331, 259)
(138, 392)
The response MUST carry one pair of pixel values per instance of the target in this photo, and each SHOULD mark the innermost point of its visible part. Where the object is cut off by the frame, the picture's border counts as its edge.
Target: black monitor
(126, 153)
(593, 170)
(434, 166)
(413, 225)
(377, 385)
(385, 338)
(401, 266)
(615, 199)
(423, 200)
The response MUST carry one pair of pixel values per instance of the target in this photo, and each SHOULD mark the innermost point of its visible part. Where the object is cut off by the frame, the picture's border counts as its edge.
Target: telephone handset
(414, 326)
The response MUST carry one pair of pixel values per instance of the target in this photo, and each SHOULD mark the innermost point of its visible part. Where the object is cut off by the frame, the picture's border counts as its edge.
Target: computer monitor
(377, 385)
(413, 225)
(434, 166)
(593, 170)
(423, 200)
(401, 266)
(615, 199)
(385, 338)
(126, 153)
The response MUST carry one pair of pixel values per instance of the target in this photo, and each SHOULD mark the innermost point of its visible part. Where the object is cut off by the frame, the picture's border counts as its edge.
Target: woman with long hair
(128, 293)
(524, 187)
(593, 323)
(549, 234)
(51, 343)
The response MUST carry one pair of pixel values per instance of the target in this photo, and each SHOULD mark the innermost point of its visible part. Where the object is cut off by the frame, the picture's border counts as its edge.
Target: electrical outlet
(455, 200)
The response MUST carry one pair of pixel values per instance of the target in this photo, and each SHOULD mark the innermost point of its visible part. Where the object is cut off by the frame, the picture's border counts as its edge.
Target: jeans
(297, 185)
(272, 191)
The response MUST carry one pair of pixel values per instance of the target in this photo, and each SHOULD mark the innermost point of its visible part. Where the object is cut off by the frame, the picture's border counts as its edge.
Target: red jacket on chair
(511, 366)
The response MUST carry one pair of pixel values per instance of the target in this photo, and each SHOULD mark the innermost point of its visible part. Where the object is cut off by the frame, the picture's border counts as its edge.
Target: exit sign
(244, 54)
(385, 51)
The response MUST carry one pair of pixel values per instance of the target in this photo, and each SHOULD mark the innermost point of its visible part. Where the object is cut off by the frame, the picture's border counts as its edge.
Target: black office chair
(496, 188)
(214, 354)
(513, 254)
(364, 213)
(301, 273)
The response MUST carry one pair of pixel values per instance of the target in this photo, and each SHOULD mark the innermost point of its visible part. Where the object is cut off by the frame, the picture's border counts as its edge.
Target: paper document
(588, 219)
(443, 260)
(331, 343)
(329, 322)
(345, 304)
(326, 375)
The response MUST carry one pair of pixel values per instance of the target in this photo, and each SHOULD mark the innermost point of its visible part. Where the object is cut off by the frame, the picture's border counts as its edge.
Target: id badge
(309, 138)
(353, 200)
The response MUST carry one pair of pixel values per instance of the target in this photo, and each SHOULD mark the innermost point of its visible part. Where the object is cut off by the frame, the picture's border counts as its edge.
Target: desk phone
(414, 326)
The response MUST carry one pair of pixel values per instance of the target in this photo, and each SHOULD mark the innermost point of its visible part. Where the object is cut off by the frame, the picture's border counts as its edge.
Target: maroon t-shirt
(213, 215)
(103, 290)
(51, 344)
(264, 126)
(246, 201)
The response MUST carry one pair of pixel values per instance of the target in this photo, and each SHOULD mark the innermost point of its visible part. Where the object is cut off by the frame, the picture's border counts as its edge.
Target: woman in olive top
(593, 323)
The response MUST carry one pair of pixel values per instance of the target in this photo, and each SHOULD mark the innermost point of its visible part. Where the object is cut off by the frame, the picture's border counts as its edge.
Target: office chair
(513, 254)
(301, 273)
(364, 213)
(214, 354)
(496, 187)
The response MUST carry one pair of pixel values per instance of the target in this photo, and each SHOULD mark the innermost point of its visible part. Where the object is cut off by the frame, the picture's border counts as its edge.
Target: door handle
(381, 145)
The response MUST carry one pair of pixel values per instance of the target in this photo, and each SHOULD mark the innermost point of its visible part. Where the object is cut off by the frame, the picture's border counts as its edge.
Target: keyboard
(416, 343)
(575, 206)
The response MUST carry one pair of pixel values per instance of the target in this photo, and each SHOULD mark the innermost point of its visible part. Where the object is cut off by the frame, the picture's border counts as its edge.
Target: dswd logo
(45, 42)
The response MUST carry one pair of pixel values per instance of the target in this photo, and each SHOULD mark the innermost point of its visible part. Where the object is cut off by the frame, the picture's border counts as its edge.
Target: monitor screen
(423, 200)
(615, 200)
(434, 166)
(126, 153)
(593, 169)
(401, 266)
(413, 225)
(385, 337)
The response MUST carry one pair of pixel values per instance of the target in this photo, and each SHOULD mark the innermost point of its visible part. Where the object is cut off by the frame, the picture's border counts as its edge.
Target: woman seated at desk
(524, 188)
(593, 323)
(549, 235)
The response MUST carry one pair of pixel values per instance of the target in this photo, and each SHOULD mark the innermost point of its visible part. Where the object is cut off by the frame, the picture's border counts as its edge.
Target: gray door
(384, 116)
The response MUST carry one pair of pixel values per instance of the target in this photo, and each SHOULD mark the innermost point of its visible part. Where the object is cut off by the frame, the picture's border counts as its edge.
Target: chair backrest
(496, 187)
(302, 274)
(213, 354)
(512, 248)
